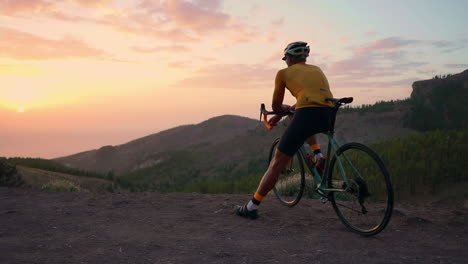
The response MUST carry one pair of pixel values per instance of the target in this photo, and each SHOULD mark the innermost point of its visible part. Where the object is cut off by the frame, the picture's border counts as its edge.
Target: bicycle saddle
(344, 100)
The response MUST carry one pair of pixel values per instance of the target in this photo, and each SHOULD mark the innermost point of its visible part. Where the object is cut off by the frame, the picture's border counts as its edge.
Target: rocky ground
(59, 227)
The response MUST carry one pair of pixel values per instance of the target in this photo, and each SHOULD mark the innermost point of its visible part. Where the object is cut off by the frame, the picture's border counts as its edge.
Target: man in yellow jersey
(312, 115)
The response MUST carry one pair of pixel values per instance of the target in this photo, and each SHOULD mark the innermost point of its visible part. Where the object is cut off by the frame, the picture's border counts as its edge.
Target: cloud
(278, 22)
(178, 20)
(347, 66)
(207, 59)
(382, 63)
(382, 57)
(179, 64)
(25, 46)
(385, 44)
(427, 72)
(28, 8)
(173, 48)
(174, 20)
(93, 3)
(231, 76)
(12, 7)
(442, 44)
(456, 65)
(346, 82)
(370, 33)
(450, 46)
(452, 49)
(197, 16)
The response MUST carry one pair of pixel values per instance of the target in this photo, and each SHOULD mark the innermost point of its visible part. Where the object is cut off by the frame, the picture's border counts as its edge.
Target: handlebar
(265, 113)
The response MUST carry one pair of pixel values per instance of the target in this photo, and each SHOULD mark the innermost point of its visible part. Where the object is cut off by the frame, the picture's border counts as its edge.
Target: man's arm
(278, 94)
(278, 97)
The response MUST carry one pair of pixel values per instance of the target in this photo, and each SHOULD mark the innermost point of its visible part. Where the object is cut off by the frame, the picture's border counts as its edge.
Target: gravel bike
(354, 179)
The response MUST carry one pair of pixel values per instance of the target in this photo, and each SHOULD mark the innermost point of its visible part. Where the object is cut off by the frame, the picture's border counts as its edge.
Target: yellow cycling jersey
(305, 82)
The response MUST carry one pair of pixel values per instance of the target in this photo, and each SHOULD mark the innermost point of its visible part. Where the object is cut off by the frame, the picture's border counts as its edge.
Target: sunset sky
(79, 74)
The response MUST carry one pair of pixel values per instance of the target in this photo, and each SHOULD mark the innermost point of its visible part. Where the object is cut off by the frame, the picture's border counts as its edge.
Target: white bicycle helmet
(297, 49)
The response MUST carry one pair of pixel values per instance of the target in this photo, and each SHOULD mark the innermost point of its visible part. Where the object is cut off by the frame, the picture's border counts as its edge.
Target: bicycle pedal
(323, 200)
(323, 197)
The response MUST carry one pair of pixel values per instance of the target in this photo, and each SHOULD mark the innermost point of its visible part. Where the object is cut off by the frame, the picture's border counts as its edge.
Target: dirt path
(53, 227)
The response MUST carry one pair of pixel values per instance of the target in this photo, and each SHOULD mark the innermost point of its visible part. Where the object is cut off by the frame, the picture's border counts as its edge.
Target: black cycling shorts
(305, 123)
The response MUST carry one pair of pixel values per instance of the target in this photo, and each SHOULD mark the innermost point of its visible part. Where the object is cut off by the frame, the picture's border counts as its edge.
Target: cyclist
(312, 115)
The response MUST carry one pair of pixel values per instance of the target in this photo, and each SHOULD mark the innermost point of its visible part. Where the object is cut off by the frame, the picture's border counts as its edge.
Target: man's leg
(318, 159)
(271, 175)
(279, 161)
(315, 146)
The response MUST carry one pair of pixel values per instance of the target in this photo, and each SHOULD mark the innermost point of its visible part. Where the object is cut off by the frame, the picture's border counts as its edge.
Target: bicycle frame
(333, 146)
(341, 182)
(321, 182)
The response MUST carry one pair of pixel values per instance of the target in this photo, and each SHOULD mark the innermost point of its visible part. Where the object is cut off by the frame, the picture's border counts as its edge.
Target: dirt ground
(57, 227)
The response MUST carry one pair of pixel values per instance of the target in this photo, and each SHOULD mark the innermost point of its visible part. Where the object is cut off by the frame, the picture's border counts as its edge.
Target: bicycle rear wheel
(291, 181)
(365, 202)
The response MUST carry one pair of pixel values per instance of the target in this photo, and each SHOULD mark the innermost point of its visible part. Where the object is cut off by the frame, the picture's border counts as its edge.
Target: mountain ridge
(118, 158)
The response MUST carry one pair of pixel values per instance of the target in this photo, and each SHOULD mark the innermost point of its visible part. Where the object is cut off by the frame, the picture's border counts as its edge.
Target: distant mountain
(231, 133)
(137, 154)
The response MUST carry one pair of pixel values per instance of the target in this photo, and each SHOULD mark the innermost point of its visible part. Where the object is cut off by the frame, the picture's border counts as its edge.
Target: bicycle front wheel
(291, 181)
(364, 199)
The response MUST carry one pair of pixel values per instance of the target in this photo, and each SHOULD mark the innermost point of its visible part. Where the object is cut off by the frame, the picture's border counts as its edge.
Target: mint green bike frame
(319, 181)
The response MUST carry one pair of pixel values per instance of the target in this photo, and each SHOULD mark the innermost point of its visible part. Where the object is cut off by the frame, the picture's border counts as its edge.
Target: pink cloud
(186, 21)
(15, 7)
(174, 34)
(93, 3)
(176, 20)
(150, 6)
(231, 76)
(23, 8)
(208, 4)
(25, 46)
(347, 66)
(12, 7)
(200, 18)
(179, 64)
(378, 64)
(385, 44)
(173, 48)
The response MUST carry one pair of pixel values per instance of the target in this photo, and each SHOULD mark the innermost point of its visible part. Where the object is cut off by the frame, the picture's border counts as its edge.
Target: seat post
(333, 119)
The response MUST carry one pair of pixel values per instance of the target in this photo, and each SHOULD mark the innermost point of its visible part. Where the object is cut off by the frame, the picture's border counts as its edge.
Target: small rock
(401, 211)
(417, 220)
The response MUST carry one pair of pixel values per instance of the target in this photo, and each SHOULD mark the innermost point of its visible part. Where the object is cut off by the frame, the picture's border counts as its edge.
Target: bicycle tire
(290, 185)
(369, 194)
